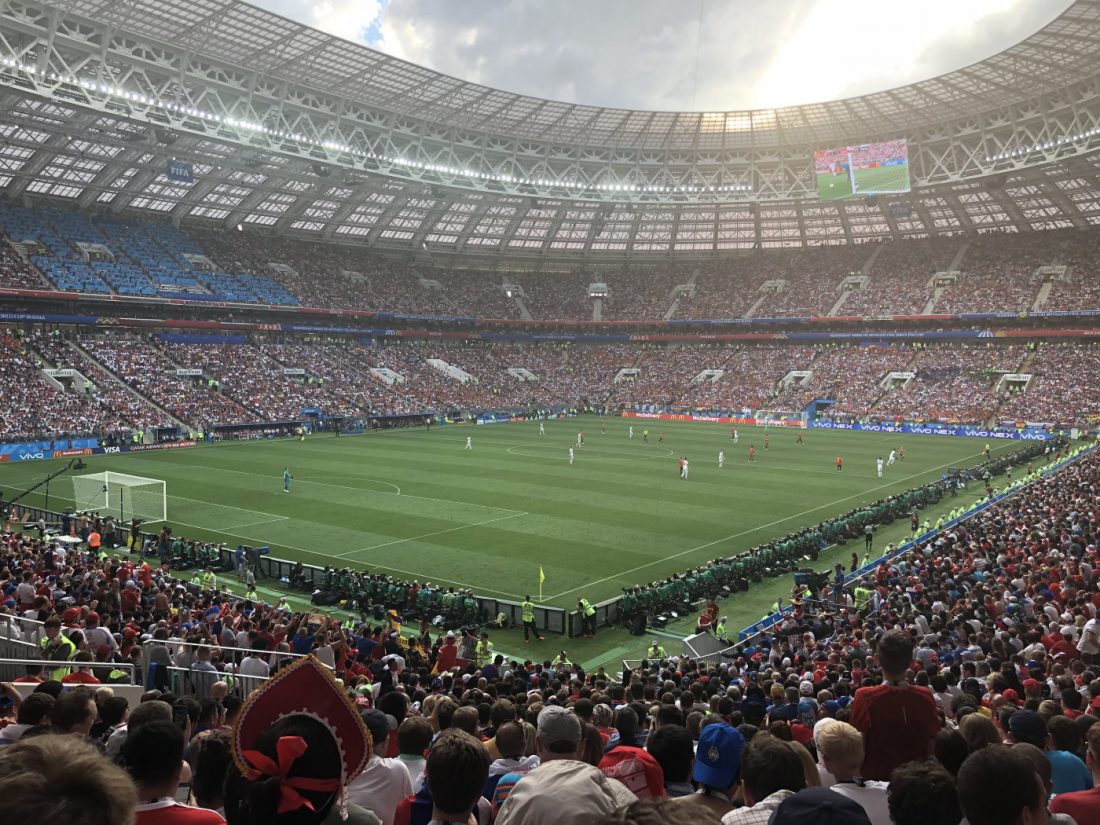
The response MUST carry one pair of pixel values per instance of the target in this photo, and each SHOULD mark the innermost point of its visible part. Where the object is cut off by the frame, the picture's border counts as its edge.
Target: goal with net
(126, 497)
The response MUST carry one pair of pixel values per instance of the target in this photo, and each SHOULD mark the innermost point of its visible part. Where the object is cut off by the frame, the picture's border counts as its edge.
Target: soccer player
(985, 450)
(878, 466)
(839, 464)
(799, 439)
(721, 459)
(580, 439)
(542, 428)
(901, 454)
(570, 455)
(752, 452)
(733, 434)
(767, 441)
(631, 432)
(469, 443)
(681, 466)
(645, 436)
(603, 428)
(892, 458)
(685, 475)
(661, 437)
(287, 478)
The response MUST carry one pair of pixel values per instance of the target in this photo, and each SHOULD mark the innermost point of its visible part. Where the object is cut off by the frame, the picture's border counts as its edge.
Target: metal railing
(14, 667)
(186, 681)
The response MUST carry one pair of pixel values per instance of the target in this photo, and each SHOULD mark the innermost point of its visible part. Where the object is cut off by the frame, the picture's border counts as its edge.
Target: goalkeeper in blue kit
(287, 478)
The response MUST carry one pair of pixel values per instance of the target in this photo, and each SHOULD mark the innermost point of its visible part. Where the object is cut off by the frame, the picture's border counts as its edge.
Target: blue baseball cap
(718, 758)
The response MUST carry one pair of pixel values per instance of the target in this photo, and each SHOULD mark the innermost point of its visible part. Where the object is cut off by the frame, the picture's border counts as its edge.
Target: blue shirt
(1068, 772)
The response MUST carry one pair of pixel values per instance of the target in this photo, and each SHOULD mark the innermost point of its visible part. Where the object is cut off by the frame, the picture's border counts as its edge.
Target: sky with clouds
(688, 55)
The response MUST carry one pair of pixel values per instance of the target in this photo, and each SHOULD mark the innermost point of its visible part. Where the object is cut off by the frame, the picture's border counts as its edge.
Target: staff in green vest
(655, 651)
(720, 630)
(528, 608)
(588, 617)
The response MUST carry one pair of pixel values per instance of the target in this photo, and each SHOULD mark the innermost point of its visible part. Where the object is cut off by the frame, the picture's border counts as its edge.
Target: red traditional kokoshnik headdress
(305, 688)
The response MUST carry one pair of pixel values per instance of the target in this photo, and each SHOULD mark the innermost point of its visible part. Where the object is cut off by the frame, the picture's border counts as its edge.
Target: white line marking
(757, 528)
(397, 490)
(426, 535)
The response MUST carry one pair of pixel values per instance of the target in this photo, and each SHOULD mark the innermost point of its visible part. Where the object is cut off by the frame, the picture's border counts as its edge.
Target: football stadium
(381, 446)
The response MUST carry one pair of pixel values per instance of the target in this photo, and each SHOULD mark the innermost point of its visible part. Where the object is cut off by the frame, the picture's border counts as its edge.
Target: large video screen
(860, 171)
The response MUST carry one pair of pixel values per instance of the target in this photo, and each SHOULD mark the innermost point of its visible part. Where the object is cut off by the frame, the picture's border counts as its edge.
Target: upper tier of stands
(74, 251)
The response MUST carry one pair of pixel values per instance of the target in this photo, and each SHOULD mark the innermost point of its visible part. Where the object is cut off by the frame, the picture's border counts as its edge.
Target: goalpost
(126, 497)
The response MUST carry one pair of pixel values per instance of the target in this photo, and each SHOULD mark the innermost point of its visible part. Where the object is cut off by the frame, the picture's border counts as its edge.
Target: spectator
(413, 738)
(1068, 771)
(1039, 761)
(770, 772)
(153, 756)
(54, 780)
(33, 712)
(258, 799)
(659, 812)
(1000, 787)
(384, 782)
(717, 768)
(510, 742)
(212, 761)
(841, 747)
(143, 714)
(457, 770)
(1084, 806)
(923, 793)
(899, 721)
(74, 712)
(535, 799)
(672, 747)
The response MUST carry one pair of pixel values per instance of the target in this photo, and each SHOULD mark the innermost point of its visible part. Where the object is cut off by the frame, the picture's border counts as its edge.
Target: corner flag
(542, 578)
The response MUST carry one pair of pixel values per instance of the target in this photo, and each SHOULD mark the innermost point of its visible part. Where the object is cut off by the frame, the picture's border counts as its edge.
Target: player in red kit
(839, 464)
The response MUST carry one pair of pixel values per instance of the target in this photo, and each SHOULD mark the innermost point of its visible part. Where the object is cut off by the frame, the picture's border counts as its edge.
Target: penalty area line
(427, 535)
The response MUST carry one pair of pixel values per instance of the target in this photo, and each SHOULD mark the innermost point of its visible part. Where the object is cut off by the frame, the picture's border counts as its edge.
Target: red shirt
(169, 812)
(1083, 806)
(898, 723)
(79, 678)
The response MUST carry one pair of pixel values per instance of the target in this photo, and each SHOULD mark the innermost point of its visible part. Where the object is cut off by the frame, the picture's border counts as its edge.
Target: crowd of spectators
(1065, 381)
(145, 367)
(15, 273)
(958, 681)
(33, 409)
(952, 383)
(1080, 290)
(246, 382)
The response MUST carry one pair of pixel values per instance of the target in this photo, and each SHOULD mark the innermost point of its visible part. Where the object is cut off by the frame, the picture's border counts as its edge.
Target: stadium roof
(292, 130)
(1045, 63)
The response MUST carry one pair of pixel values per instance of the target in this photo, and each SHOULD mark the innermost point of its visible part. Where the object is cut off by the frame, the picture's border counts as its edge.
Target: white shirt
(1090, 633)
(872, 796)
(415, 765)
(253, 666)
(381, 787)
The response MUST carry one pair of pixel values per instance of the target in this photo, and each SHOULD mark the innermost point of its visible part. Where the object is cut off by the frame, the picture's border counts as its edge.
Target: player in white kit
(685, 469)
(893, 457)
(469, 444)
(631, 433)
(542, 428)
(721, 459)
(570, 455)
(878, 464)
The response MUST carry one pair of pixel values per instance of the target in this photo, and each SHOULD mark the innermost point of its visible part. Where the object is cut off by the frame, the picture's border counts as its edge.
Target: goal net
(124, 496)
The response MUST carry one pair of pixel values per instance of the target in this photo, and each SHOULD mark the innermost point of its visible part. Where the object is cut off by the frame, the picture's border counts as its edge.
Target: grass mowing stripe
(427, 535)
(633, 570)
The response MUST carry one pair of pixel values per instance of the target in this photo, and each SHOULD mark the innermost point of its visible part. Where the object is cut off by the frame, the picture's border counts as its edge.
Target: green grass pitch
(416, 504)
(885, 179)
